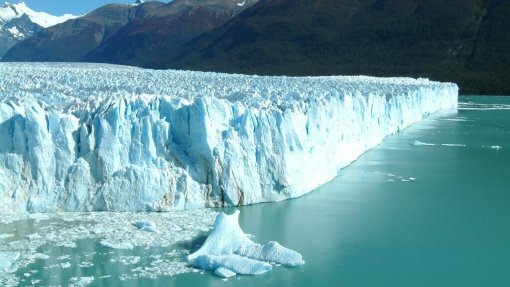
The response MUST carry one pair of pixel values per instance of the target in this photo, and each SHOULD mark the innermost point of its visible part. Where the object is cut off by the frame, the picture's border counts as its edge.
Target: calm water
(428, 207)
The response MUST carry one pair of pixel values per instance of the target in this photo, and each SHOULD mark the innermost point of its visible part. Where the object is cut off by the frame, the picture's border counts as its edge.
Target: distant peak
(11, 4)
(9, 11)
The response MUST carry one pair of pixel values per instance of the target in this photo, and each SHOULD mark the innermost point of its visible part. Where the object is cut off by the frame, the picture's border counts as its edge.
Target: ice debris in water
(116, 245)
(228, 251)
(454, 145)
(146, 225)
(110, 229)
(81, 281)
(7, 259)
(418, 143)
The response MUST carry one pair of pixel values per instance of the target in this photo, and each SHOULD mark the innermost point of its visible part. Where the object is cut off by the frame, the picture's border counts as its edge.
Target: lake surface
(430, 206)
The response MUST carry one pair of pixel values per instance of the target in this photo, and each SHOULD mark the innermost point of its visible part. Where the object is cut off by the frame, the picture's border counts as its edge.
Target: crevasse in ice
(83, 137)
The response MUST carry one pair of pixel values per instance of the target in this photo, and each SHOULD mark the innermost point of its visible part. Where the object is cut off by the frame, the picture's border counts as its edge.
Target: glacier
(95, 137)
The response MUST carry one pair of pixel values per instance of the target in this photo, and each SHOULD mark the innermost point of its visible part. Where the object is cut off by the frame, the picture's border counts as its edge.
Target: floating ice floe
(126, 260)
(7, 259)
(454, 145)
(81, 281)
(5, 235)
(392, 177)
(458, 119)
(117, 245)
(228, 251)
(146, 225)
(419, 143)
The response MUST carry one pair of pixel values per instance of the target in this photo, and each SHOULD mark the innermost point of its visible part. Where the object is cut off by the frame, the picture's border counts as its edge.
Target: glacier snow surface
(88, 137)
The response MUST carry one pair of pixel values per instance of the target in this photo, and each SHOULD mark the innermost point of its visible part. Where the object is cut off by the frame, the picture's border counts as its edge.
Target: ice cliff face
(82, 137)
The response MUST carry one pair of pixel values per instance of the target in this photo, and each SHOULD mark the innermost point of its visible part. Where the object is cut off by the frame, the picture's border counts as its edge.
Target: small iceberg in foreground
(228, 251)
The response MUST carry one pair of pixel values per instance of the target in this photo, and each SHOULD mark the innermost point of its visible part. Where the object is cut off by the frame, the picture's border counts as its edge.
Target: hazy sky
(59, 7)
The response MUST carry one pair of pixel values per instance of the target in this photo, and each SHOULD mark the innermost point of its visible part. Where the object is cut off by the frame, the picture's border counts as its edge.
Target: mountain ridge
(462, 41)
(19, 22)
(140, 42)
(446, 41)
(127, 33)
(73, 40)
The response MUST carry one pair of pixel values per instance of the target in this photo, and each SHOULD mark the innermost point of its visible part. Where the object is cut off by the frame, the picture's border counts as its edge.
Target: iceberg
(228, 251)
(146, 225)
(93, 137)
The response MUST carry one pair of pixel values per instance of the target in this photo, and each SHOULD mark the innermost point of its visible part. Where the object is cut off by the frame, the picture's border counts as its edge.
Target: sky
(59, 7)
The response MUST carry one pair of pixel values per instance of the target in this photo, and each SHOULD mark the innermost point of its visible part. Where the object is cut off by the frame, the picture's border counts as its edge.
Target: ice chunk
(7, 259)
(233, 262)
(116, 245)
(418, 143)
(454, 145)
(5, 235)
(225, 273)
(228, 247)
(81, 281)
(146, 225)
(272, 252)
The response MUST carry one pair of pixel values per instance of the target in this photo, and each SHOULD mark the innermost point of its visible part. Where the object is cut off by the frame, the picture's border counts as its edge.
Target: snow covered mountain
(101, 137)
(18, 22)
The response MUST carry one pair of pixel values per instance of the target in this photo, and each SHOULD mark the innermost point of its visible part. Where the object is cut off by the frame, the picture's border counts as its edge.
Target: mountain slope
(74, 39)
(18, 22)
(465, 41)
(137, 34)
(148, 41)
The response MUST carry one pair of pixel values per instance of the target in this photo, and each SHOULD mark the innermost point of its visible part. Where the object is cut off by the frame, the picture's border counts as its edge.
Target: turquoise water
(450, 226)
(430, 206)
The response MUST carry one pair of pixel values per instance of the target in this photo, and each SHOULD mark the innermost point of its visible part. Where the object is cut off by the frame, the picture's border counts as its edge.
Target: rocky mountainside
(18, 22)
(153, 40)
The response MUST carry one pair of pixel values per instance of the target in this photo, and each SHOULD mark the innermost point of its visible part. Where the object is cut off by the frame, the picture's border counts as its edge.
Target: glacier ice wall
(83, 137)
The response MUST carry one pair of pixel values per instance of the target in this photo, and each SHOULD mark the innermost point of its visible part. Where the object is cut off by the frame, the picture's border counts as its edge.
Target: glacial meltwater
(430, 206)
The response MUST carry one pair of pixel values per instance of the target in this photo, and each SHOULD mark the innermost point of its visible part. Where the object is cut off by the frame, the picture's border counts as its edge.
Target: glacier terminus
(93, 137)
